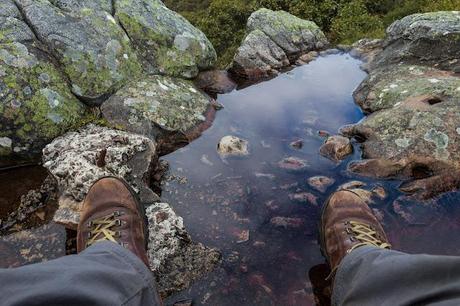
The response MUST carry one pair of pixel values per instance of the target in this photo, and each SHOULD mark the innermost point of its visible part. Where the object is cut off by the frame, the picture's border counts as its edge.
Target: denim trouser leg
(104, 274)
(372, 276)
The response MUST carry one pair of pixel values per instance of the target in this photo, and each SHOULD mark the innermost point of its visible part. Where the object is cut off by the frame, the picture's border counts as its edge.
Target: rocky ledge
(275, 39)
(412, 98)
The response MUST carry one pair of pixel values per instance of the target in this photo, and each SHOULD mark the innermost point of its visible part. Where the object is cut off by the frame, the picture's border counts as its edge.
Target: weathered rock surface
(35, 103)
(412, 131)
(366, 50)
(321, 183)
(163, 108)
(166, 41)
(91, 48)
(389, 86)
(429, 39)
(78, 159)
(293, 164)
(175, 258)
(274, 40)
(232, 146)
(336, 148)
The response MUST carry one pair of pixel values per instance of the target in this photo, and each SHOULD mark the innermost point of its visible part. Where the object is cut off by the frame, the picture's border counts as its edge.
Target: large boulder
(163, 108)
(388, 86)
(91, 48)
(274, 40)
(36, 104)
(78, 159)
(430, 39)
(166, 41)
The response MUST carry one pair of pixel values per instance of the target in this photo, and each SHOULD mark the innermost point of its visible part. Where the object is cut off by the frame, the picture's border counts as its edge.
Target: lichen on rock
(166, 42)
(78, 159)
(36, 103)
(160, 107)
(91, 48)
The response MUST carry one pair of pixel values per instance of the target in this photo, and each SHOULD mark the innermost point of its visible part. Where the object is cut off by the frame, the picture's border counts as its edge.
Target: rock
(415, 139)
(427, 188)
(366, 50)
(169, 110)
(91, 48)
(231, 146)
(321, 183)
(36, 104)
(293, 164)
(380, 192)
(330, 52)
(274, 40)
(303, 197)
(286, 222)
(292, 34)
(166, 42)
(409, 39)
(72, 5)
(184, 303)
(258, 57)
(176, 260)
(77, 159)
(387, 87)
(336, 148)
(351, 185)
(298, 144)
(12, 25)
(215, 82)
(307, 58)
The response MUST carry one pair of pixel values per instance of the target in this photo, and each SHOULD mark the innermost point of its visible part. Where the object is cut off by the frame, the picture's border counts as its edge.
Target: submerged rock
(163, 108)
(428, 39)
(321, 183)
(78, 159)
(176, 260)
(91, 48)
(274, 40)
(230, 146)
(215, 82)
(336, 148)
(35, 103)
(166, 41)
(293, 164)
(304, 197)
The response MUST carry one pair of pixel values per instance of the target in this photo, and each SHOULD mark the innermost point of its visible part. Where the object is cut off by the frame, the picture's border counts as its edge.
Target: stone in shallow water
(230, 146)
(293, 164)
(165, 109)
(176, 260)
(78, 159)
(215, 82)
(336, 148)
(286, 222)
(321, 183)
(304, 197)
(352, 185)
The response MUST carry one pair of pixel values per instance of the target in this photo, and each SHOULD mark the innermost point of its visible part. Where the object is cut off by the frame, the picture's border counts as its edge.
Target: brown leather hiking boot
(348, 223)
(112, 212)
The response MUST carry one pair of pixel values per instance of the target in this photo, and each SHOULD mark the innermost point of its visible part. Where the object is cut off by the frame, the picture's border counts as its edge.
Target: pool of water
(246, 207)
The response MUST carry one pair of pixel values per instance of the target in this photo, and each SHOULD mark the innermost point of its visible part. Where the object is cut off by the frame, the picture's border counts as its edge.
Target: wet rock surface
(215, 82)
(274, 40)
(336, 148)
(163, 108)
(232, 146)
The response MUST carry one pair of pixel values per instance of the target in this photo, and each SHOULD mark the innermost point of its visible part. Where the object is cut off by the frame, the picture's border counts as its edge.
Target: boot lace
(365, 235)
(103, 229)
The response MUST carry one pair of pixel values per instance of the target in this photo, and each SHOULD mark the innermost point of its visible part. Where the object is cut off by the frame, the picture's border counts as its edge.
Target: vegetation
(344, 21)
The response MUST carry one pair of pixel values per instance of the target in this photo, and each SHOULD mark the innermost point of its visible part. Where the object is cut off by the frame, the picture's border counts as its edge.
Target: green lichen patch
(92, 49)
(166, 41)
(157, 105)
(36, 105)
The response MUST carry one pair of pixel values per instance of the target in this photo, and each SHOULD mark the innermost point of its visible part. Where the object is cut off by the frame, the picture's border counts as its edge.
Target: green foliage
(343, 21)
(354, 22)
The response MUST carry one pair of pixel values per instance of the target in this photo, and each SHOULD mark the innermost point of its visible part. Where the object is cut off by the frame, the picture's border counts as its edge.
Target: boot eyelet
(89, 235)
(90, 223)
(118, 222)
(118, 234)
